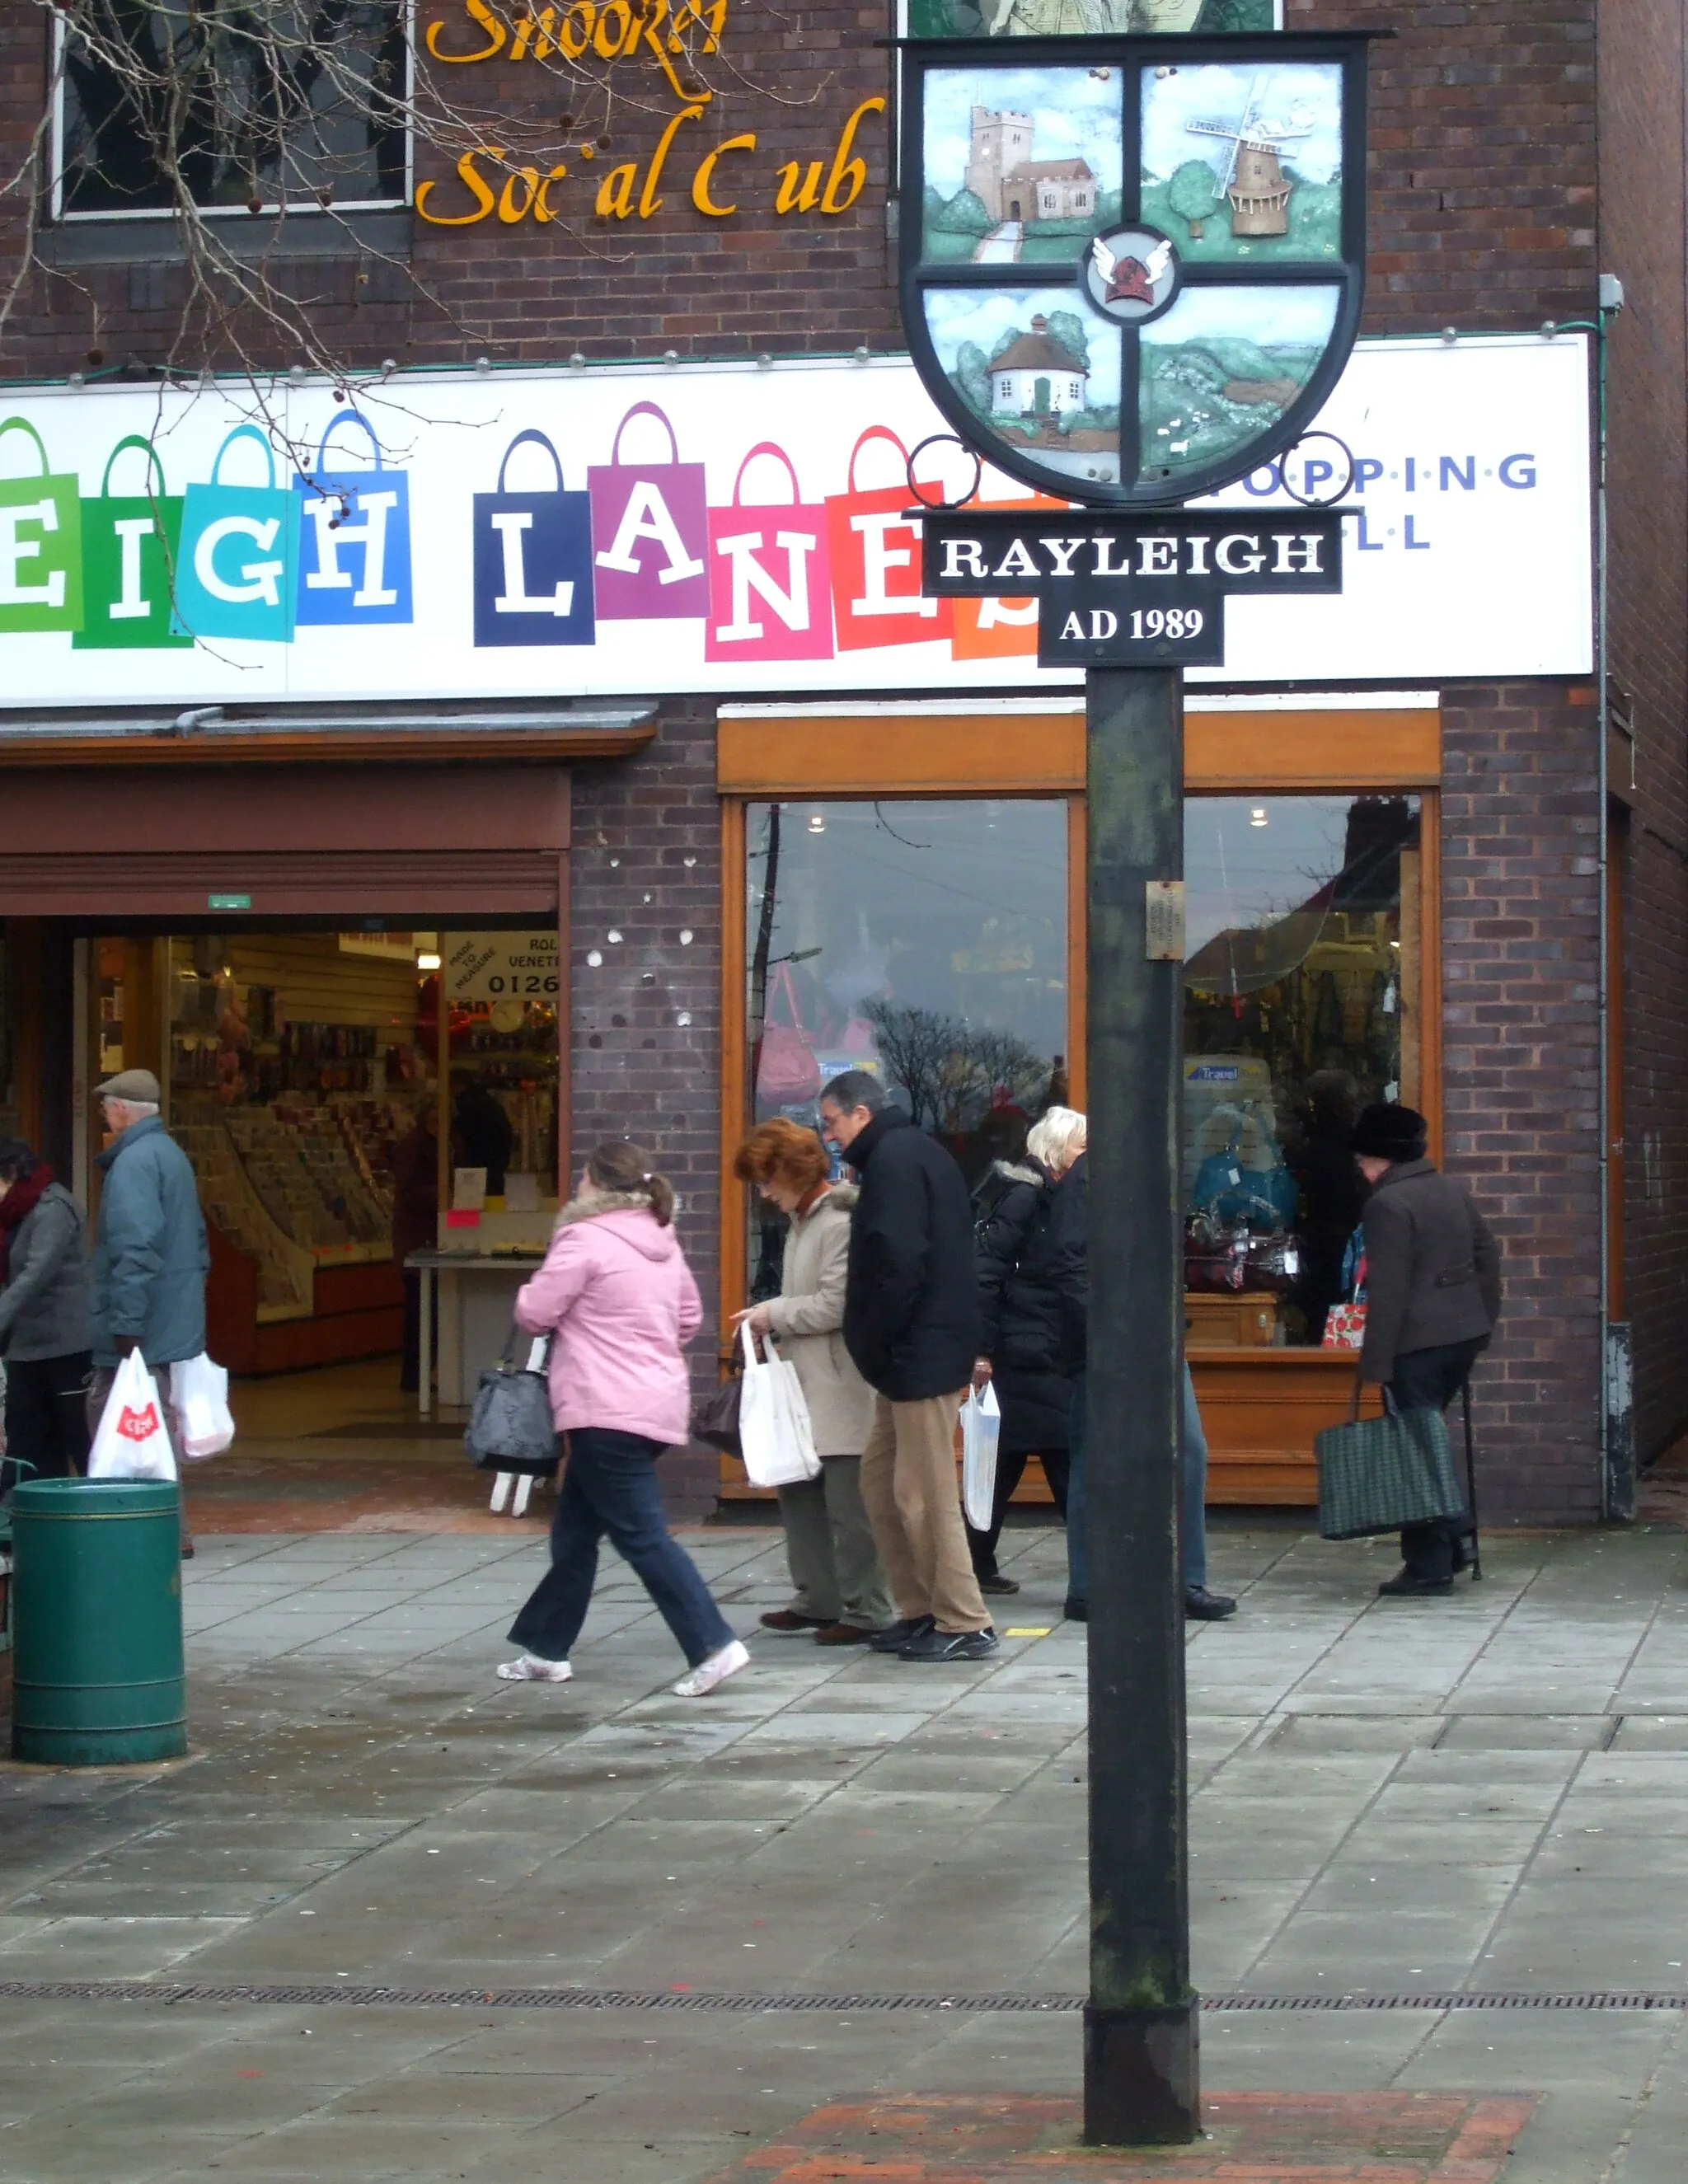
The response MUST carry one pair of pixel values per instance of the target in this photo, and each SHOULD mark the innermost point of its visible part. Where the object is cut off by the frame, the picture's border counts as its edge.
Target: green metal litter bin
(98, 1677)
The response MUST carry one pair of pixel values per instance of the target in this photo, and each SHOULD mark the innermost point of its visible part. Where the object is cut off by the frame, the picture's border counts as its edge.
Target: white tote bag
(201, 1393)
(774, 1432)
(981, 1428)
(131, 1441)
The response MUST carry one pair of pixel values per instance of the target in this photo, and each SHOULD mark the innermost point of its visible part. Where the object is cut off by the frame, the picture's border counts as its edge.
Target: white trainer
(529, 1669)
(715, 1671)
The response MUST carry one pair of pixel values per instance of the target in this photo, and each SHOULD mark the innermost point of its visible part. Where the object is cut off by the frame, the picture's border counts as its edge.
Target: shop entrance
(344, 1097)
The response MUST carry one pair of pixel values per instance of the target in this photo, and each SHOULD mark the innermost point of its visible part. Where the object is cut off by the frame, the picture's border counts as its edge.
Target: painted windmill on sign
(1254, 179)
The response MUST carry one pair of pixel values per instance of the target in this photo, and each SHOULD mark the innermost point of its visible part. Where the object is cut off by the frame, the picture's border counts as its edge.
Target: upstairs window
(233, 105)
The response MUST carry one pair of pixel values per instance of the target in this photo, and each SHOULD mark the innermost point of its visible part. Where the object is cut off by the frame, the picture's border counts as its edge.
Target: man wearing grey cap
(151, 1257)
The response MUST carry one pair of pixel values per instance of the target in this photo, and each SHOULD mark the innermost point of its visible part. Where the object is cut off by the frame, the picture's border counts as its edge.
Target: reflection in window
(1300, 1007)
(924, 941)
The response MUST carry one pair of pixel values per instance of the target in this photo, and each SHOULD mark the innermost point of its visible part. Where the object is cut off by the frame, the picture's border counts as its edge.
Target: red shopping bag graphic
(876, 561)
(770, 579)
(998, 629)
(649, 532)
(138, 1425)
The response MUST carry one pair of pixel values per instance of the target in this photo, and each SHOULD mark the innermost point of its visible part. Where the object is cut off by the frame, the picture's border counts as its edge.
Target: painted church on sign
(1011, 184)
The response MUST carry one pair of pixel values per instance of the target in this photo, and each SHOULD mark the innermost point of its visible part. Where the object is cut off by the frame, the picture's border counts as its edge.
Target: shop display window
(1302, 1005)
(926, 941)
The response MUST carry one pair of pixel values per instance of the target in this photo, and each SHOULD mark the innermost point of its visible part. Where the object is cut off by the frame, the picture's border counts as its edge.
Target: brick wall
(1520, 907)
(1641, 165)
(644, 908)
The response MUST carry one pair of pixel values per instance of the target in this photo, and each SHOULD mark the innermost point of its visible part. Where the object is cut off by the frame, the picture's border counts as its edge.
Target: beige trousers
(908, 1483)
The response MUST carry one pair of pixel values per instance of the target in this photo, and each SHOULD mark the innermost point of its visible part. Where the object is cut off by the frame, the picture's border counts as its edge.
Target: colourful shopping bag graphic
(533, 561)
(650, 528)
(769, 576)
(876, 561)
(130, 543)
(354, 550)
(240, 554)
(998, 629)
(40, 545)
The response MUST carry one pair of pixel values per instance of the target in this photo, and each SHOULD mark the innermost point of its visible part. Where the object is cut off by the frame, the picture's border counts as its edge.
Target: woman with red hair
(840, 1591)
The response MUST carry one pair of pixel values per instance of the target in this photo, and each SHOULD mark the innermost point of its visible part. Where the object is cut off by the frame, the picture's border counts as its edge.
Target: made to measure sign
(1141, 591)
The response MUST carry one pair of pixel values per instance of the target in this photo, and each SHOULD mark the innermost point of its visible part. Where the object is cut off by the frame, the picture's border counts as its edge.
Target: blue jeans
(610, 1486)
(1193, 1483)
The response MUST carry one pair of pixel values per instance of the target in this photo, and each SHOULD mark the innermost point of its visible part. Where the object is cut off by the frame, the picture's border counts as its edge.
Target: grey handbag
(509, 1427)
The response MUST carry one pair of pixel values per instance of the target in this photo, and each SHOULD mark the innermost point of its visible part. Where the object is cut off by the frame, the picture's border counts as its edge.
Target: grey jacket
(44, 1306)
(151, 1257)
(807, 1317)
(1433, 1267)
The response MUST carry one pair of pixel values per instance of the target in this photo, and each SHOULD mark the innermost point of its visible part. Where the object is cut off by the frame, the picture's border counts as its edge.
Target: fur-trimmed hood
(1019, 1172)
(632, 1220)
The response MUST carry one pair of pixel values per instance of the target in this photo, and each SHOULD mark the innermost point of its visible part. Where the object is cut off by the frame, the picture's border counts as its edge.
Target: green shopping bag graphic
(238, 571)
(128, 562)
(40, 545)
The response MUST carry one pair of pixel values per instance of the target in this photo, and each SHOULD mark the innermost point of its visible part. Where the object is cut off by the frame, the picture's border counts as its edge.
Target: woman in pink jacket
(618, 1299)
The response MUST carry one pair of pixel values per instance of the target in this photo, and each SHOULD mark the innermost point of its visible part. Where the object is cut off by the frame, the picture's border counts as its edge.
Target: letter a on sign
(533, 561)
(650, 528)
(770, 576)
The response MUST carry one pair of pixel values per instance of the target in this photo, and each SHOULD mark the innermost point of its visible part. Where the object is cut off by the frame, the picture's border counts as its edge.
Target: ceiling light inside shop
(1257, 816)
(817, 823)
(427, 961)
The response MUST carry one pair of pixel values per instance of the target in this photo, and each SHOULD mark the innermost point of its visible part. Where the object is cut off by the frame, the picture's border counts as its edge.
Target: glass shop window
(236, 108)
(1301, 1007)
(924, 941)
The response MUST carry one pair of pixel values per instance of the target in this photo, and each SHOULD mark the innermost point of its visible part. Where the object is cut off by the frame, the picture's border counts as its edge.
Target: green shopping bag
(40, 545)
(1376, 1474)
(129, 562)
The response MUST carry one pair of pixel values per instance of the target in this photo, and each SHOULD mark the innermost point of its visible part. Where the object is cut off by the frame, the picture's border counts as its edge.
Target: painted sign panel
(1467, 537)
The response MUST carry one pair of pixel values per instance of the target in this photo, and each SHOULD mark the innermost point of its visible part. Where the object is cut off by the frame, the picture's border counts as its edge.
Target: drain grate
(345, 1993)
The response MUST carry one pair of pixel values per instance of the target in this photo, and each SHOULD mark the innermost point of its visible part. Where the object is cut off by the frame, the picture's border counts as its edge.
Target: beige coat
(808, 1323)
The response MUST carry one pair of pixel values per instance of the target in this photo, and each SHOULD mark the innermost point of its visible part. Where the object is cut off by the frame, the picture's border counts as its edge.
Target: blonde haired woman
(1021, 1348)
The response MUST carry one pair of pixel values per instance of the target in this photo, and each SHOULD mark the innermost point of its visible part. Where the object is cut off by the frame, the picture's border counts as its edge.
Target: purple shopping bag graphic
(649, 532)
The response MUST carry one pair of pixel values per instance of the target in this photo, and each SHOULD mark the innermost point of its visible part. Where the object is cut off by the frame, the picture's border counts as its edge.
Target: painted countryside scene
(1244, 165)
(1222, 366)
(1030, 365)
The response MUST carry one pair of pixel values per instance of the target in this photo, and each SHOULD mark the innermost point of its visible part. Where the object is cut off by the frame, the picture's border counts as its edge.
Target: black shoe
(895, 1636)
(1202, 1606)
(936, 1644)
(1075, 1611)
(1408, 1587)
(997, 1583)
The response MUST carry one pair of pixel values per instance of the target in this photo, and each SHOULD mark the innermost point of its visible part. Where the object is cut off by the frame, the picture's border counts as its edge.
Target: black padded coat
(1020, 1313)
(910, 1310)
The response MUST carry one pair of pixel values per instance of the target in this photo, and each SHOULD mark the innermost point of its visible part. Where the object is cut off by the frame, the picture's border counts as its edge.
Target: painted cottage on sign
(1037, 377)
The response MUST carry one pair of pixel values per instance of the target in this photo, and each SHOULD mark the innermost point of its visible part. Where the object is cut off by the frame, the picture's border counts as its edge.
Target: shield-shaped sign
(1138, 268)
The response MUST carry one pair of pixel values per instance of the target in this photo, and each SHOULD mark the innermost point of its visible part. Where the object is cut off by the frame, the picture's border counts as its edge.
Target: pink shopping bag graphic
(770, 579)
(649, 532)
(876, 559)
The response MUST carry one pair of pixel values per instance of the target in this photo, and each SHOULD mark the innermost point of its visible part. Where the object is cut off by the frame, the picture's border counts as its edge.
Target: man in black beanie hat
(1432, 1297)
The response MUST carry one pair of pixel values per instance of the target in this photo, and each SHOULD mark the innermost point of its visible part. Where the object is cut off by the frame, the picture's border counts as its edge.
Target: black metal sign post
(1131, 272)
(1135, 598)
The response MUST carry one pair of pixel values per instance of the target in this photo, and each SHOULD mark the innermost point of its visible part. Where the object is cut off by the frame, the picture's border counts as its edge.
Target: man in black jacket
(911, 1326)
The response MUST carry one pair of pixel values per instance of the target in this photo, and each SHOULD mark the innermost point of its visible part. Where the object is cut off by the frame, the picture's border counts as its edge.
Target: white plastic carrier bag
(981, 1430)
(774, 1431)
(201, 1394)
(131, 1441)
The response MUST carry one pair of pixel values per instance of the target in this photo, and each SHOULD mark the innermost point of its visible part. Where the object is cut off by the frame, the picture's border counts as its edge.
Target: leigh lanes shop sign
(715, 529)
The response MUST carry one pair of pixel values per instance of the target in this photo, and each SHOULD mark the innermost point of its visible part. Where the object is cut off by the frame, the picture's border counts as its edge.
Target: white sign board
(717, 528)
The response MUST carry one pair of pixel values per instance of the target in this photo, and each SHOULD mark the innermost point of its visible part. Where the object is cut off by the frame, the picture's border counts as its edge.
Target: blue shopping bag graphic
(533, 561)
(355, 548)
(240, 551)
